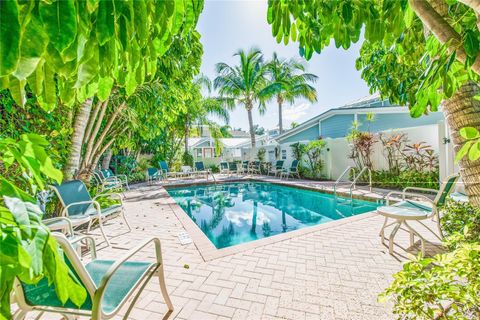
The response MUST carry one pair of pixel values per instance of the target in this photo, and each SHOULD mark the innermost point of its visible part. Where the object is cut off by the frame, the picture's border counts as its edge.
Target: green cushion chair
(413, 210)
(200, 169)
(108, 174)
(79, 205)
(153, 174)
(109, 284)
(112, 183)
(224, 168)
(292, 171)
(277, 168)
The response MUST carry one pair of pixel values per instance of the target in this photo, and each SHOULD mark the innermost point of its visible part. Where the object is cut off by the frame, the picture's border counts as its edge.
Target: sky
(229, 25)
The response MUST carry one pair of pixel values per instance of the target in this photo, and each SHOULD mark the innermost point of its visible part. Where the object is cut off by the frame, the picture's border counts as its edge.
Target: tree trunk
(92, 132)
(462, 110)
(280, 115)
(187, 132)
(252, 129)
(442, 30)
(75, 150)
(106, 160)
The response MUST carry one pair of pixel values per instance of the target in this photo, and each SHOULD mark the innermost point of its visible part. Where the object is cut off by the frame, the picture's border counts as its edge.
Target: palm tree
(288, 81)
(243, 84)
(200, 107)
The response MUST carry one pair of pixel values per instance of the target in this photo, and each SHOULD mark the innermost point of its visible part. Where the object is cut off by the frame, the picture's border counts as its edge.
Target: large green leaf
(105, 21)
(9, 37)
(60, 20)
(32, 48)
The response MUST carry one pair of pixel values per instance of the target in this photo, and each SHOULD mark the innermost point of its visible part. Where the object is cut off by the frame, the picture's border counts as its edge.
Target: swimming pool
(233, 213)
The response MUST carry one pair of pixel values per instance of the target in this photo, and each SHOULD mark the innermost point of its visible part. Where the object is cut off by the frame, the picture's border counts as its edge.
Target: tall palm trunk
(250, 124)
(75, 150)
(187, 132)
(280, 113)
(106, 159)
(462, 110)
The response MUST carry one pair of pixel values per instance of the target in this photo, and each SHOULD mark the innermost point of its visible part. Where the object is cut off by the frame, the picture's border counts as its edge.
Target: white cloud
(296, 112)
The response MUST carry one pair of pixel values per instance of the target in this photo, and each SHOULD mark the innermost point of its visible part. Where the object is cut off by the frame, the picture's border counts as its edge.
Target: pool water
(234, 213)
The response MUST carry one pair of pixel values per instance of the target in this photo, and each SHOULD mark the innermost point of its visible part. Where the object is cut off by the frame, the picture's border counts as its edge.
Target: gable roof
(368, 102)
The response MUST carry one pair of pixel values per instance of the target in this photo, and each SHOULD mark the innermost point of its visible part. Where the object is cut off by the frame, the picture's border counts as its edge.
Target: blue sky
(229, 25)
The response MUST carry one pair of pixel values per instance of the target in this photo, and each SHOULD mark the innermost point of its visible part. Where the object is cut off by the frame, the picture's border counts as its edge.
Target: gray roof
(370, 101)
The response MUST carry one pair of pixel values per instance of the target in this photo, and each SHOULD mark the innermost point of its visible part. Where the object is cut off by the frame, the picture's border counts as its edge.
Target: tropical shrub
(187, 159)
(443, 287)
(27, 249)
(405, 178)
(261, 154)
(313, 151)
(362, 143)
(393, 145)
(460, 222)
(298, 150)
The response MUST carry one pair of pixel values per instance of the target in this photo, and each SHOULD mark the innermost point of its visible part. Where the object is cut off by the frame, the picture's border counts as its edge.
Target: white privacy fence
(336, 155)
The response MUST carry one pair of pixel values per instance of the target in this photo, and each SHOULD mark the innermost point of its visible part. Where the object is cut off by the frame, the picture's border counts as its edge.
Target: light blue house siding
(307, 134)
(386, 121)
(336, 126)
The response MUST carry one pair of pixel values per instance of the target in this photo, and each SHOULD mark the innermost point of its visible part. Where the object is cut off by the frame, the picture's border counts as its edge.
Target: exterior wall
(337, 157)
(386, 121)
(336, 126)
(307, 134)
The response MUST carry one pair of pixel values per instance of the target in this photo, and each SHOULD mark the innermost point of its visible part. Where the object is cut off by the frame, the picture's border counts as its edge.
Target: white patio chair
(412, 210)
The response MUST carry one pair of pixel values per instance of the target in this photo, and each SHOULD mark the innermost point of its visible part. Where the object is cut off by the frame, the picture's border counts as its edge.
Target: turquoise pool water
(234, 213)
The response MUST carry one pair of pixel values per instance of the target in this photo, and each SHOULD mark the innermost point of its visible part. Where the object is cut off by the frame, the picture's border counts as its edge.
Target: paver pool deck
(335, 271)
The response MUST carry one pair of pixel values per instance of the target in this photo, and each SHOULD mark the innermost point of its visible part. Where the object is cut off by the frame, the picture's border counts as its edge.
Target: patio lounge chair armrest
(403, 194)
(421, 189)
(93, 246)
(95, 203)
(109, 194)
(64, 219)
(114, 267)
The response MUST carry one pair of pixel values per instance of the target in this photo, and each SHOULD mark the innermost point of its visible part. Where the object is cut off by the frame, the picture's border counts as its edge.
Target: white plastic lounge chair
(411, 210)
(109, 284)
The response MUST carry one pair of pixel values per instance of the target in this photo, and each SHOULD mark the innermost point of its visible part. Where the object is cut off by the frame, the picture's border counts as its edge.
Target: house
(337, 122)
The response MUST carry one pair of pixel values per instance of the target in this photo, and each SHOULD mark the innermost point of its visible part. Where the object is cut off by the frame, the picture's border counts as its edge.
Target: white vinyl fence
(336, 155)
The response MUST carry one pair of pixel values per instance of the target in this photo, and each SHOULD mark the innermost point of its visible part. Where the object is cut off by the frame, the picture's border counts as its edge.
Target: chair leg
(103, 231)
(392, 236)
(382, 231)
(20, 314)
(163, 288)
(125, 219)
(422, 240)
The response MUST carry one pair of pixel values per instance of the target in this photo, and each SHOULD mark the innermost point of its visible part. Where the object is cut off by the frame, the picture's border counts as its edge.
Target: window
(284, 154)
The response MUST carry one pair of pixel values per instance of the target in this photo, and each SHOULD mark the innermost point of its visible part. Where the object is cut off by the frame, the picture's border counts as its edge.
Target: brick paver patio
(333, 273)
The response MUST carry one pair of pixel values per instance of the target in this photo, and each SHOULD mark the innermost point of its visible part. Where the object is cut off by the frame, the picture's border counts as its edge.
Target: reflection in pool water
(233, 213)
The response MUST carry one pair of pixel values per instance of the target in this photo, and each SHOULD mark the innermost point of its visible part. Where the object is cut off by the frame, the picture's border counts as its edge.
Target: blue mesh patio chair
(153, 174)
(414, 210)
(201, 170)
(277, 168)
(109, 284)
(108, 174)
(224, 168)
(78, 204)
(292, 171)
(103, 184)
